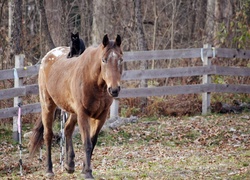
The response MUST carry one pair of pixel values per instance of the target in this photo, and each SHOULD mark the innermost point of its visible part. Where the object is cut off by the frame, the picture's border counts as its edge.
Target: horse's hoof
(50, 174)
(88, 176)
(70, 170)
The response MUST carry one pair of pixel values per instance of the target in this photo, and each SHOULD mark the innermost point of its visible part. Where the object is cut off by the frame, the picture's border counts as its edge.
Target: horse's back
(56, 61)
(54, 55)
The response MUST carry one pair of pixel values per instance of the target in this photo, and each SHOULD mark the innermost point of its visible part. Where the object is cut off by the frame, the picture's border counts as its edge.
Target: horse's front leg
(84, 127)
(96, 126)
(70, 154)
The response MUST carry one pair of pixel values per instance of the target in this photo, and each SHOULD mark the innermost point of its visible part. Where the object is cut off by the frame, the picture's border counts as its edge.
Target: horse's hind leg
(70, 154)
(48, 108)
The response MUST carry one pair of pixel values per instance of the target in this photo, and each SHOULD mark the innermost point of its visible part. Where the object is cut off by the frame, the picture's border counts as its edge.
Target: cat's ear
(77, 33)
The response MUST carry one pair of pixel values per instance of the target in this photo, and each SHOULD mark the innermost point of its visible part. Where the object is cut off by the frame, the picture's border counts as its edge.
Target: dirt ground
(197, 147)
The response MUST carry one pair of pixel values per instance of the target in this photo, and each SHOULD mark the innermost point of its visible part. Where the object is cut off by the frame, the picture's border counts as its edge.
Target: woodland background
(158, 146)
(33, 27)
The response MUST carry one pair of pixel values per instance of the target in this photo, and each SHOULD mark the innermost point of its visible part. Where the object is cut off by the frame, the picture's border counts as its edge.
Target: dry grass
(198, 147)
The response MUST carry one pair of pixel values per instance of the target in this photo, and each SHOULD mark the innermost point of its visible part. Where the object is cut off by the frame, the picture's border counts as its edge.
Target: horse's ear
(105, 40)
(118, 40)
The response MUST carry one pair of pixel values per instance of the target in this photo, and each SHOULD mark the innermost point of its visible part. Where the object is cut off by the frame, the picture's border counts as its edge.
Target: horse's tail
(36, 138)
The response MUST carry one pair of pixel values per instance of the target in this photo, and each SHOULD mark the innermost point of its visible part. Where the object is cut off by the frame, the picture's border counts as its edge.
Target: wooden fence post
(206, 96)
(114, 108)
(19, 59)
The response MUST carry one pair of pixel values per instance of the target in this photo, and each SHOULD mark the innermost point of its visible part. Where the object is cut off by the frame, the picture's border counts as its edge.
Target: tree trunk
(175, 9)
(155, 29)
(141, 41)
(210, 20)
(97, 22)
(16, 34)
(200, 19)
(58, 21)
(64, 37)
(223, 13)
(86, 12)
(44, 29)
(191, 19)
(174, 6)
(10, 22)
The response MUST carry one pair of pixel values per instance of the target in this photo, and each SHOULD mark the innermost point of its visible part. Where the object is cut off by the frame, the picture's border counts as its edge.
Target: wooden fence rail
(206, 87)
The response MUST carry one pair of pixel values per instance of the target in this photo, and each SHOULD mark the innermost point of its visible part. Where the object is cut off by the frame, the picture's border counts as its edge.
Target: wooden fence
(206, 54)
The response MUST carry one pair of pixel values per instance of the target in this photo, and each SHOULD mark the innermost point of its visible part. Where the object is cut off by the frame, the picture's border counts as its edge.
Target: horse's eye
(104, 60)
(120, 61)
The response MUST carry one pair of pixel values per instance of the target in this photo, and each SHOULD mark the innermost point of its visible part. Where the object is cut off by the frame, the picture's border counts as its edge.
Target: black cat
(77, 46)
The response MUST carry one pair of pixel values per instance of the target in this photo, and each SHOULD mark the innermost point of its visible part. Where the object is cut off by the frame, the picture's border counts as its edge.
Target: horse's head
(111, 65)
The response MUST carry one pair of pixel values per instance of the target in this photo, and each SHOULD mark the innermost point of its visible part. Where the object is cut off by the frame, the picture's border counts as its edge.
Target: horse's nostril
(114, 91)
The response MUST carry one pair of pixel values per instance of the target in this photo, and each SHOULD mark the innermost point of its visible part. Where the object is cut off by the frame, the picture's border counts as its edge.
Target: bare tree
(97, 28)
(210, 20)
(223, 14)
(16, 34)
(86, 14)
(1, 9)
(44, 29)
(155, 29)
(141, 41)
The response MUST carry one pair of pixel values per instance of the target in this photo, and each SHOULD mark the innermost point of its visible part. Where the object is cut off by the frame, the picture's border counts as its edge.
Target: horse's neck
(93, 66)
(100, 82)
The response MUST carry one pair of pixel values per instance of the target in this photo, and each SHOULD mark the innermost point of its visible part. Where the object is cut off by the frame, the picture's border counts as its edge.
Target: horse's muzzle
(114, 92)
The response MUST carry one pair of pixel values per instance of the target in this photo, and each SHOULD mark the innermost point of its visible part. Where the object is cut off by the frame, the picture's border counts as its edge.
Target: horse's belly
(62, 97)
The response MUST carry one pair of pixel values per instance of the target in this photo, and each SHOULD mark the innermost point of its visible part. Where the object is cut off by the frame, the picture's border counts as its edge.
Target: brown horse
(83, 86)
